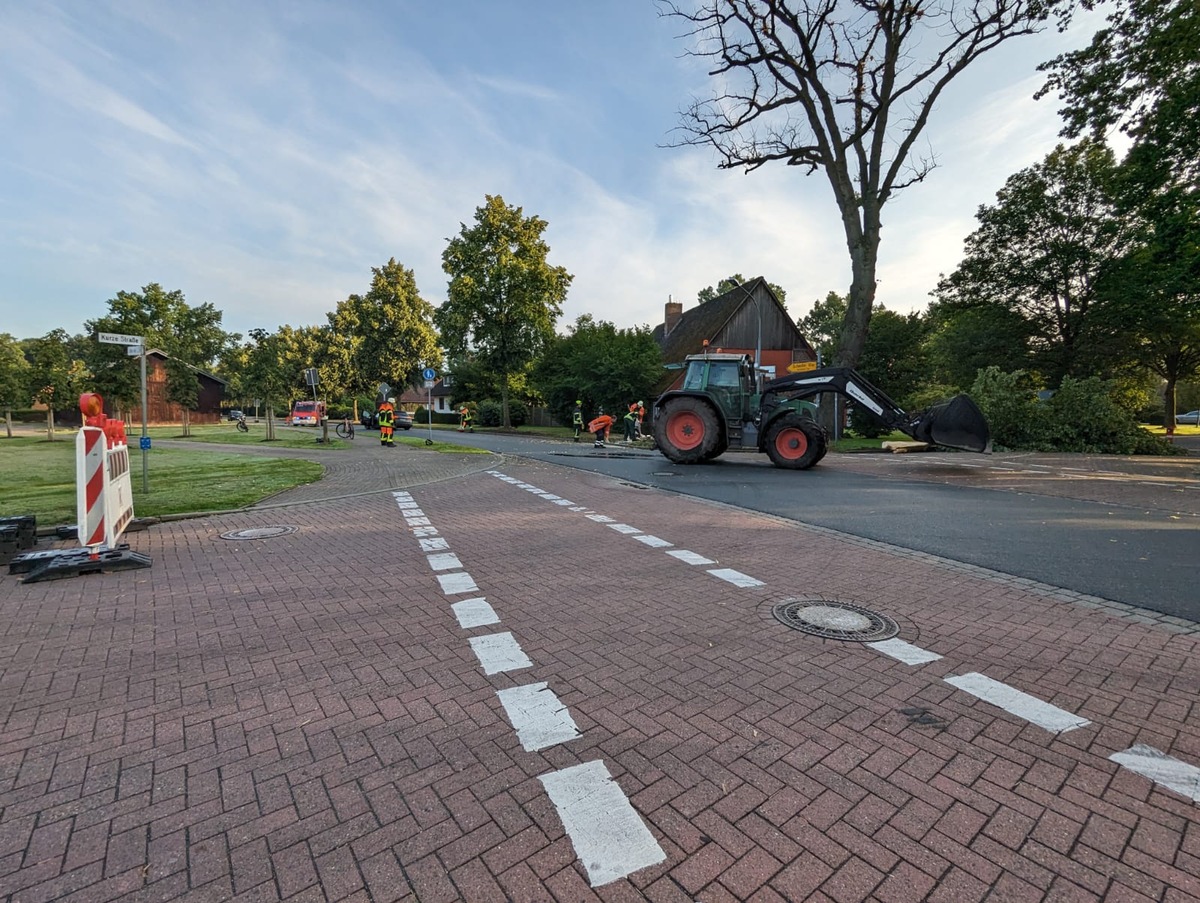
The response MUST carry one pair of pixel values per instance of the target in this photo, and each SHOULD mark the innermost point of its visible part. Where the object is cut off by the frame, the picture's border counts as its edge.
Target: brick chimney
(671, 316)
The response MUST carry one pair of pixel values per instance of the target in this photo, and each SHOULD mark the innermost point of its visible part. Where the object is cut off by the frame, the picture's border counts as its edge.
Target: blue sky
(264, 156)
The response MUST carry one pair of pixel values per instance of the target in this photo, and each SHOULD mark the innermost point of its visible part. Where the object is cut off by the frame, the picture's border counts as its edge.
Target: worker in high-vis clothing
(630, 419)
(387, 420)
(577, 418)
(466, 420)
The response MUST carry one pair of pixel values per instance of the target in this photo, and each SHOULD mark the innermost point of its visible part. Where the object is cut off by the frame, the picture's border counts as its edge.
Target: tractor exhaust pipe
(957, 423)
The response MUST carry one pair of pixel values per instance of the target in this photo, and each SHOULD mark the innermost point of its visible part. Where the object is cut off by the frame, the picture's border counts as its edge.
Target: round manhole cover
(257, 533)
(835, 620)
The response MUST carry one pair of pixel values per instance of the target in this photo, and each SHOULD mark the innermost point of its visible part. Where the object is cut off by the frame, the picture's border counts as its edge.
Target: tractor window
(724, 374)
(694, 380)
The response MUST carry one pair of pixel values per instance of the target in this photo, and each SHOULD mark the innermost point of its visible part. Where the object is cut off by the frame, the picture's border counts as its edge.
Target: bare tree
(846, 86)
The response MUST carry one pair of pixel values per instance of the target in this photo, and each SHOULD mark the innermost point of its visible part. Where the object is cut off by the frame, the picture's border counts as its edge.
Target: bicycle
(242, 426)
(345, 429)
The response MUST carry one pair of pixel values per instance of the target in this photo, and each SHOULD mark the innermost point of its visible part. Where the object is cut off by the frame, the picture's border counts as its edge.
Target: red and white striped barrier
(103, 489)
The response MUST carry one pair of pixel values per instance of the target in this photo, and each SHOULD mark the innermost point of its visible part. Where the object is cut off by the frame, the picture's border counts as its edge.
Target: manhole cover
(258, 533)
(835, 620)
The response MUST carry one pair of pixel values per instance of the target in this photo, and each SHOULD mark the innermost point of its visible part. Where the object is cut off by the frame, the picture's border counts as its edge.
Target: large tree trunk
(8, 421)
(1169, 401)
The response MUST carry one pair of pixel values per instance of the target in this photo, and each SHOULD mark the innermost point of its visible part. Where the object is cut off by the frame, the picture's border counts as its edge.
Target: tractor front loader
(720, 406)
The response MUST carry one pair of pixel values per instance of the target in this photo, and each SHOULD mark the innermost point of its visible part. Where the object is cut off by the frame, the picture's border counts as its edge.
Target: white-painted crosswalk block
(609, 837)
(689, 557)
(600, 518)
(624, 528)
(1013, 701)
(418, 521)
(653, 542)
(476, 612)
(408, 505)
(550, 496)
(1156, 765)
(499, 652)
(424, 531)
(538, 717)
(580, 508)
(446, 561)
(904, 652)
(563, 502)
(737, 578)
(460, 582)
(414, 511)
(432, 545)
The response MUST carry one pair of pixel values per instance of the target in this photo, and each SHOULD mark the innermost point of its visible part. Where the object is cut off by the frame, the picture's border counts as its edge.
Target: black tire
(242, 428)
(344, 431)
(795, 442)
(688, 431)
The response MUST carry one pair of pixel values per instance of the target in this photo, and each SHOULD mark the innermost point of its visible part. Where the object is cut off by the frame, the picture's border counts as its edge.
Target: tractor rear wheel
(687, 430)
(795, 442)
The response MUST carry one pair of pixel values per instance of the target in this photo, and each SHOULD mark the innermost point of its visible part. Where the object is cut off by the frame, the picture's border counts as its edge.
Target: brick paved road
(306, 717)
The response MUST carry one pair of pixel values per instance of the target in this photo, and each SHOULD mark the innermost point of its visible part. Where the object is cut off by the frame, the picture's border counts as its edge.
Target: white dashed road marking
(462, 582)
(653, 541)
(432, 545)
(1013, 701)
(444, 562)
(905, 652)
(600, 518)
(624, 528)
(609, 837)
(474, 613)
(737, 578)
(538, 717)
(1150, 763)
(690, 557)
(498, 652)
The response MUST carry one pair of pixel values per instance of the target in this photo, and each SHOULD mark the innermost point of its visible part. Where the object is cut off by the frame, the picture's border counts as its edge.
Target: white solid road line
(499, 652)
(474, 613)
(538, 717)
(1173, 774)
(609, 837)
(904, 652)
(1013, 701)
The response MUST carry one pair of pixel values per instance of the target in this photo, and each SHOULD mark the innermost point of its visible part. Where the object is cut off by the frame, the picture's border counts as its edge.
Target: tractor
(724, 404)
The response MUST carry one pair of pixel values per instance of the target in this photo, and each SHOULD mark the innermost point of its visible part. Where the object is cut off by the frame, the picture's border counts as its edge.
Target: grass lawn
(39, 478)
(228, 433)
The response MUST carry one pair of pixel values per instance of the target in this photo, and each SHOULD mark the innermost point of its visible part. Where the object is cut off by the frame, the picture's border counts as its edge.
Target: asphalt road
(1143, 550)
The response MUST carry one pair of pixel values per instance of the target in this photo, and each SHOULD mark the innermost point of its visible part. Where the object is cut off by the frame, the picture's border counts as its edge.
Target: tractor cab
(728, 379)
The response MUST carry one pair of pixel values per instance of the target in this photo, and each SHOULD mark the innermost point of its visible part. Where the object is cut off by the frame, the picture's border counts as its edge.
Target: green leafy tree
(183, 389)
(894, 360)
(14, 379)
(265, 374)
(504, 297)
(55, 378)
(1042, 251)
(822, 326)
(731, 282)
(963, 341)
(384, 336)
(600, 365)
(846, 88)
(191, 334)
(1141, 74)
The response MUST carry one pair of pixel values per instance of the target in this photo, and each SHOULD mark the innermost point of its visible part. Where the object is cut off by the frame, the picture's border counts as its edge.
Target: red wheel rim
(791, 443)
(685, 430)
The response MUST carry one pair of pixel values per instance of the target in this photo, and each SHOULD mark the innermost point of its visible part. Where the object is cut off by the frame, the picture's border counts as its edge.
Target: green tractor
(722, 404)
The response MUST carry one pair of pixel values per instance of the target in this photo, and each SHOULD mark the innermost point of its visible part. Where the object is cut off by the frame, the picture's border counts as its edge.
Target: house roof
(705, 321)
(159, 353)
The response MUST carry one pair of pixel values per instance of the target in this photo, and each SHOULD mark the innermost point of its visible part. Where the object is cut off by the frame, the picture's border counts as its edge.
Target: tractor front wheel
(795, 442)
(687, 430)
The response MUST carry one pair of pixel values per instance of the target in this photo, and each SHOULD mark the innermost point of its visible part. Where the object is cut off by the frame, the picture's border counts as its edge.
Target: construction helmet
(578, 401)
(391, 401)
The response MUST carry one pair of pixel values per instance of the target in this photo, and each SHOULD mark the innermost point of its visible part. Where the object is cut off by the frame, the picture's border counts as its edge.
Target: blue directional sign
(429, 373)
(144, 443)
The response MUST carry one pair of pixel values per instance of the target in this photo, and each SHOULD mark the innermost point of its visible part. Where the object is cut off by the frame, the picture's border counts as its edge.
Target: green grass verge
(39, 478)
(443, 447)
(228, 434)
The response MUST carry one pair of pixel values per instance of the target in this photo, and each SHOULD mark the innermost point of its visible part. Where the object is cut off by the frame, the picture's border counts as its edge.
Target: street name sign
(116, 338)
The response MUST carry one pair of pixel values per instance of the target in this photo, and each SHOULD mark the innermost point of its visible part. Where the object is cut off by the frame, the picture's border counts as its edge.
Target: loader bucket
(957, 423)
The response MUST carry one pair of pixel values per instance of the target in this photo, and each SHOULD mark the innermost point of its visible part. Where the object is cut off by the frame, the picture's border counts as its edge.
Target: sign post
(130, 342)
(429, 375)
